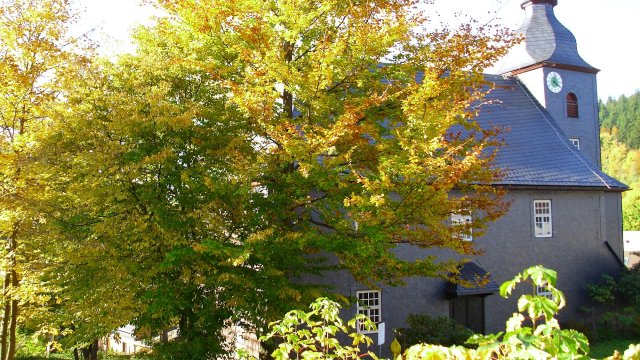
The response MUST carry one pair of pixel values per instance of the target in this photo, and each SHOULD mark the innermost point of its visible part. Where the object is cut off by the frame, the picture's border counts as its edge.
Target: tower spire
(546, 42)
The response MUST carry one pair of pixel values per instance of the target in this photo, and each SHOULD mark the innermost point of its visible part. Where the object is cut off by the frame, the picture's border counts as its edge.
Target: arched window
(572, 105)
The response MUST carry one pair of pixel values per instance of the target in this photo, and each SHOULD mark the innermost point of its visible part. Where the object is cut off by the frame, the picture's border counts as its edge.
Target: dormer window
(572, 105)
(575, 143)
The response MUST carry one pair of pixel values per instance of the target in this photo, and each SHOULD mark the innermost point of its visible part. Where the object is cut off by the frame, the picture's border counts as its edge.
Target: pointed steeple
(546, 42)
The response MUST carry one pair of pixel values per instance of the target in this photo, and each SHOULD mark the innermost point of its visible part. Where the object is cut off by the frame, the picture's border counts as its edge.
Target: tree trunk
(85, 353)
(13, 322)
(164, 336)
(89, 352)
(75, 354)
(183, 327)
(49, 345)
(6, 314)
(94, 350)
(11, 351)
(287, 96)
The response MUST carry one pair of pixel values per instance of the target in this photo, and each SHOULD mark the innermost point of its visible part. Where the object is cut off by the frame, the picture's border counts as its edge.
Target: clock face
(554, 82)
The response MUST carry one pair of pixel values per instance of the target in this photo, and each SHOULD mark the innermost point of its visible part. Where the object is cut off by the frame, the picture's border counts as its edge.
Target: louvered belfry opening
(572, 105)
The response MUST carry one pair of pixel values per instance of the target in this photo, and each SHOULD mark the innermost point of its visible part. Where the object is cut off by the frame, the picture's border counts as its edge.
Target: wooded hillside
(623, 163)
(623, 113)
(620, 136)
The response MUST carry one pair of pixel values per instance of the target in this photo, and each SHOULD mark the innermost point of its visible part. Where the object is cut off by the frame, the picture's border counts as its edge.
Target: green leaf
(507, 287)
(541, 276)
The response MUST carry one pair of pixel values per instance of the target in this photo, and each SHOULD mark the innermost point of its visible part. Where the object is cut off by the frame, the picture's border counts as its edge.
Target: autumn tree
(249, 143)
(36, 55)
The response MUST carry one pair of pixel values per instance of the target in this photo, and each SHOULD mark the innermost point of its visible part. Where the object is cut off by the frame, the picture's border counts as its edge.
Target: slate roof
(472, 273)
(535, 151)
(547, 41)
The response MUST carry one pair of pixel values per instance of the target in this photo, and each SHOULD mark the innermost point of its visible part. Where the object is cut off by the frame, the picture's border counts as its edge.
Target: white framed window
(369, 305)
(458, 219)
(542, 218)
(544, 291)
(575, 143)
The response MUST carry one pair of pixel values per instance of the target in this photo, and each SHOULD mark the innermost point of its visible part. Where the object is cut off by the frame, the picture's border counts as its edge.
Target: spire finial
(534, 2)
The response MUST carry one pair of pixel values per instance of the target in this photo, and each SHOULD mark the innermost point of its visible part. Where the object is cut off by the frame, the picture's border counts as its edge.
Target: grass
(69, 356)
(606, 348)
(31, 348)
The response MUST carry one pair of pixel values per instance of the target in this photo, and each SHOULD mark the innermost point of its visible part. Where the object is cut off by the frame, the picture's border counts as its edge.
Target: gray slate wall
(582, 221)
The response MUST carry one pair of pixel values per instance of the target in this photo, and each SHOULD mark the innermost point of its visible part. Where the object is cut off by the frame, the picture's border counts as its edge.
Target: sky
(606, 30)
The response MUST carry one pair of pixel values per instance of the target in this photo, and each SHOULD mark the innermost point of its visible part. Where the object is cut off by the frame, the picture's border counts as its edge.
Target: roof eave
(508, 186)
(520, 70)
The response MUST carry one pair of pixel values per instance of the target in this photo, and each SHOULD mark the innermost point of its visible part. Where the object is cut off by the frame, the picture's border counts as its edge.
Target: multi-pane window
(572, 105)
(369, 305)
(458, 219)
(575, 143)
(542, 218)
(544, 291)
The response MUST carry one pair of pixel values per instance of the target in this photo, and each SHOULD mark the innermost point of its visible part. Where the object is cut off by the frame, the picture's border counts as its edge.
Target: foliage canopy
(249, 143)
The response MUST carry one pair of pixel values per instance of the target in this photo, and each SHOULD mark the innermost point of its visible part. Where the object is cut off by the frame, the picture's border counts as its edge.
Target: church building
(565, 213)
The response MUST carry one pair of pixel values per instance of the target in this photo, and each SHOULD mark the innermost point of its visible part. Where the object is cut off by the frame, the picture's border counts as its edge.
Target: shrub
(439, 331)
(532, 333)
(618, 310)
(312, 335)
(629, 286)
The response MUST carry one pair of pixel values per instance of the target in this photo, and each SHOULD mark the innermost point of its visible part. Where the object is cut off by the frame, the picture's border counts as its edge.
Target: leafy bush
(439, 331)
(532, 333)
(605, 292)
(629, 286)
(312, 335)
(618, 312)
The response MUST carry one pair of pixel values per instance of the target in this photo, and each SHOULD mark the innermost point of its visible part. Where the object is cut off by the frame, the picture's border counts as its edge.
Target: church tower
(548, 64)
